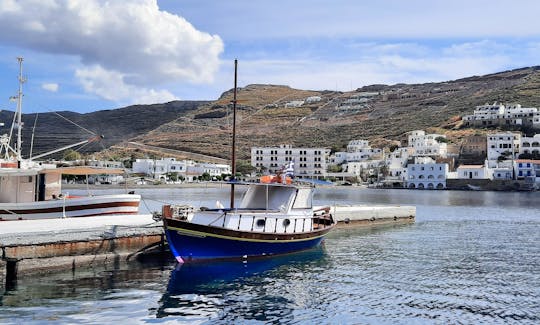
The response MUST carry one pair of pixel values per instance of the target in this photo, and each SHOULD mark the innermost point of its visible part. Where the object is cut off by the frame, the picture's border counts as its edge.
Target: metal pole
(233, 154)
(19, 111)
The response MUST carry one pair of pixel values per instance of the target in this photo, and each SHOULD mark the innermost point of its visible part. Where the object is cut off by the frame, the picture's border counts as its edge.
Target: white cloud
(133, 43)
(388, 69)
(111, 85)
(53, 87)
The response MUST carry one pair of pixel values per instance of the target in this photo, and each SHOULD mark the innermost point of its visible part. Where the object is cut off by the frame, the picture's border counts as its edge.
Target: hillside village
(499, 160)
(372, 135)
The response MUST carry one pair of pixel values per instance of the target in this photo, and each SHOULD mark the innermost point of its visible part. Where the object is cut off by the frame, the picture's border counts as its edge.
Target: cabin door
(41, 187)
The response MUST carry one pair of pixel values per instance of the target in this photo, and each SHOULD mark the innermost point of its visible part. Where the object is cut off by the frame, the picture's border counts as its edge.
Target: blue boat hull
(206, 243)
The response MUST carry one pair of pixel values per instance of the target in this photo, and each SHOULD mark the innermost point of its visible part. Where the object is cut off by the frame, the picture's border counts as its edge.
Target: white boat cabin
(277, 197)
(266, 208)
(21, 186)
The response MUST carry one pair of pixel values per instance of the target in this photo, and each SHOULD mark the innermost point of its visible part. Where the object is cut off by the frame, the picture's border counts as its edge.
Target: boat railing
(309, 223)
(320, 219)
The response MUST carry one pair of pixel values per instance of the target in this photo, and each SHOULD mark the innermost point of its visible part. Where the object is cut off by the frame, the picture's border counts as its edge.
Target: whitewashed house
(530, 145)
(397, 164)
(505, 144)
(105, 163)
(499, 114)
(357, 150)
(211, 169)
(313, 99)
(427, 144)
(473, 172)
(502, 173)
(294, 103)
(159, 168)
(527, 169)
(426, 176)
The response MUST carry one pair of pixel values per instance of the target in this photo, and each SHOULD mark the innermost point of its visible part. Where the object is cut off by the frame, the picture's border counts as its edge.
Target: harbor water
(470, 258)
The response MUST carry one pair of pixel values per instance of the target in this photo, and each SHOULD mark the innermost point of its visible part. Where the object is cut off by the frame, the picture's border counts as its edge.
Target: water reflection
(229, 290)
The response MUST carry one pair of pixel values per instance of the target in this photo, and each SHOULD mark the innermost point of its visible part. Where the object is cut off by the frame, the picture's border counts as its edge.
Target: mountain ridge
(265, 119)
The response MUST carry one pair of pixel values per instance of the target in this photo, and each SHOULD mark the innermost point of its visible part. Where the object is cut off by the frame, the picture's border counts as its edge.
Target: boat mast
(19, 111)
(233, 154)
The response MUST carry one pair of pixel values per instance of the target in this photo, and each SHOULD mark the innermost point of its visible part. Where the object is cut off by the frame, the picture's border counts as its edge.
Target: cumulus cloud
(53, 87)
(126, 48)
(111, 85)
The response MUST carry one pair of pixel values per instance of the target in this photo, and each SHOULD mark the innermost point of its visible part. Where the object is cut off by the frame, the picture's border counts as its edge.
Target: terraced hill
(380, 113)
(266, 116)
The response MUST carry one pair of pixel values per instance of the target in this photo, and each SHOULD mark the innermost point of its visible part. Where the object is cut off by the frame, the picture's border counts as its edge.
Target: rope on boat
(70, 121)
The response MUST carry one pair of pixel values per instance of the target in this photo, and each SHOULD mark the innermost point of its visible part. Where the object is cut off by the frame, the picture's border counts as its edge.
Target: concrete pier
(30, 247)
(41, 246)
(371, 215)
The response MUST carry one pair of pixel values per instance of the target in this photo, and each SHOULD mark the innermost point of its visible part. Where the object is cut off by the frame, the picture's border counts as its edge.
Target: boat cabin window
(261, 197)
(303, 199)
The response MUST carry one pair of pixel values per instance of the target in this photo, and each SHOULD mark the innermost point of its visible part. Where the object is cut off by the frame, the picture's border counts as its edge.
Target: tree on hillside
(71, 155)
(441, 139)
(243, 167)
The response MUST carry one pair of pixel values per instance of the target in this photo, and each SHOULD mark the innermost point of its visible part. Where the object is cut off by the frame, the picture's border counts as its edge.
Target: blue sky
(87, 55)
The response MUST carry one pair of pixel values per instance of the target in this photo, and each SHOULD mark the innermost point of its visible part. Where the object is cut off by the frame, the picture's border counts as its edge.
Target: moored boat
(275, 216)
(271, 219)
(32, 190)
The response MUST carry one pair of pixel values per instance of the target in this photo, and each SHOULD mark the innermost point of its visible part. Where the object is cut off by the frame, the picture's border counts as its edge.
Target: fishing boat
(30, 189)
(275, 216)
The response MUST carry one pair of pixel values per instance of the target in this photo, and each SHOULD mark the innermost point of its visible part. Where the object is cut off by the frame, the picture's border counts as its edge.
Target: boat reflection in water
(201, 291)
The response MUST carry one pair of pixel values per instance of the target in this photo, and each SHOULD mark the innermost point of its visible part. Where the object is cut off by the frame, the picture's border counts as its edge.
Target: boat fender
(347, 220)
(372, 219)
(395, 218)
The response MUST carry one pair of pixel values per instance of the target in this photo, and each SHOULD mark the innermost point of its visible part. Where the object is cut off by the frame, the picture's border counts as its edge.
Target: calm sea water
(470, 258)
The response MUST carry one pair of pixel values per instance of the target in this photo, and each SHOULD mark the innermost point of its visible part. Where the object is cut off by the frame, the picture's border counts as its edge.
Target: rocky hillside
(55, 130)
(267, 116)
(379, 113)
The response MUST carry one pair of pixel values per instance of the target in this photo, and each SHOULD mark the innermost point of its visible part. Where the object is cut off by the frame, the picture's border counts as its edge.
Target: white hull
(71, 207)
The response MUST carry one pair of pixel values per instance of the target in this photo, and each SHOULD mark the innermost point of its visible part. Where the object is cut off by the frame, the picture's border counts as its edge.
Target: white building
(527, 169)
(530, 145)
(427, 144)
(159, 168)
(294, 103)
(367, 167)
(502, 173)
(313, 99)
(397, 164)
(211, 169)
(506, 145)
(190, 170)
(426, 176)
(308, 162)
(499, 114)
(357, 150)
(105, 163)
(473, 172)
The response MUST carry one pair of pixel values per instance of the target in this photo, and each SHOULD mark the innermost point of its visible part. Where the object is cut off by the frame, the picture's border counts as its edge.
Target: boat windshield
(267, 197)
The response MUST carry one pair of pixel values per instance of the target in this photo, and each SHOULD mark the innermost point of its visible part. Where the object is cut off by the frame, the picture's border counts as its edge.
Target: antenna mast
(19, 111)
(233, 155)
